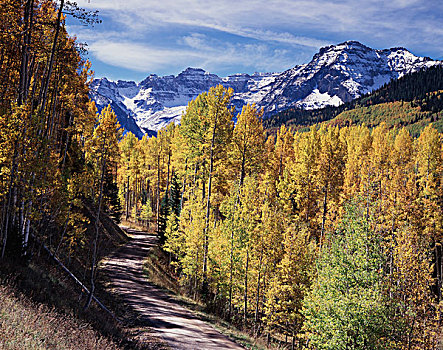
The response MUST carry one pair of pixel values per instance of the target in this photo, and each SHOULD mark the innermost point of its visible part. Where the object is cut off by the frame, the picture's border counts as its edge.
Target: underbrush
(157, 269)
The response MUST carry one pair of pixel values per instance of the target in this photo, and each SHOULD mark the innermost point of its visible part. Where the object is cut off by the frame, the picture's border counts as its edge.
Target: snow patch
(317, 100)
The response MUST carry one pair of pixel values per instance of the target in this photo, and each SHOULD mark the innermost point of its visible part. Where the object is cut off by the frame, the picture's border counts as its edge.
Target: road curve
(179, 327)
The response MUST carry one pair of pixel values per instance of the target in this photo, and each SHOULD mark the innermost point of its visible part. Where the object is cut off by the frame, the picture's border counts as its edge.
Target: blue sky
(140, 37)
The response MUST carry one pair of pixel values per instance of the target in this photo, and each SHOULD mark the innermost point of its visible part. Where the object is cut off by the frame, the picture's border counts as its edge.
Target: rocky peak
(193, 71)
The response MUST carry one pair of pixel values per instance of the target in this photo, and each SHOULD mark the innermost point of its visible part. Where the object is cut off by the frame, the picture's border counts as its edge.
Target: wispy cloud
(272, 35)
(195, 50)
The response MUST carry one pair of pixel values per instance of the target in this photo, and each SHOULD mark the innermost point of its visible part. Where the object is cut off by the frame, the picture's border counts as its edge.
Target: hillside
(420, 93)
(267, 232)
(413, 115)
(28, 325)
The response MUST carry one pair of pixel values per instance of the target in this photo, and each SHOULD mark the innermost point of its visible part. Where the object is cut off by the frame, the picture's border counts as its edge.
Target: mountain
(336, 74)
(157, 101)
(414, 100)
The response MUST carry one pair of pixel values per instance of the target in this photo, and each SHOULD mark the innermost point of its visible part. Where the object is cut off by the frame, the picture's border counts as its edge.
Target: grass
(158, 272)
(28, 325)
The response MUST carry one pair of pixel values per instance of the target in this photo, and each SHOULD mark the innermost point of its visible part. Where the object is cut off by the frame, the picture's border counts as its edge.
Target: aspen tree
(358, 148)
(402, 190)
(283, 150)
(330, 172)
(103, 147)
(248, 142)
(299, 184)
(291, 283)
(346, 308)
(380, 165)
(126, 146)
(207, 127)
(429, 181)
(189, 249)
(416, 310)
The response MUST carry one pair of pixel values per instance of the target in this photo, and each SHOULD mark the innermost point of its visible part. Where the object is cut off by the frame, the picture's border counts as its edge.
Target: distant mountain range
(336, 74)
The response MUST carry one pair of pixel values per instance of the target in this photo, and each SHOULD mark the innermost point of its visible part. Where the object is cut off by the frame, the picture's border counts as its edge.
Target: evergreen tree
(165, 210)
(111, 198)
(174, 196)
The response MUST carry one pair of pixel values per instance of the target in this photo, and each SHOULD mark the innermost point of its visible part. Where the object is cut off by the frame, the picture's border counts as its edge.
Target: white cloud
(136, 56)
(264, 17)
(255, 28)
(196, 51)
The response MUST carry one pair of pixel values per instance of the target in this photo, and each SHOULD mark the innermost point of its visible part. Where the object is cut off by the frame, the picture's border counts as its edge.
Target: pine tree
(110, 196)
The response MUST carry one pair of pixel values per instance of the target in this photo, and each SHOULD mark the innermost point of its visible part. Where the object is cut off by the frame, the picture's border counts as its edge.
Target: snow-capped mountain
(157, 101)
(336, 74)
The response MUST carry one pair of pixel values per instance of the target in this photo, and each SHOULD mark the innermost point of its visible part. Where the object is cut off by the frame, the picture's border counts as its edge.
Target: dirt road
(179, 327)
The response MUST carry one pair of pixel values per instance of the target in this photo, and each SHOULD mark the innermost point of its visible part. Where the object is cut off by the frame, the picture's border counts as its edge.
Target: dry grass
(28, 325)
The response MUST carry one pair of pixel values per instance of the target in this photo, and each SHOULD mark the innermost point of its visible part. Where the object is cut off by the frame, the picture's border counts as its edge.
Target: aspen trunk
(243, 165)
(127, 199)
(184, 186)
(257, 300)
(26, 228)
(28, 14)
(438, 270)
(5, 227)
(194, 180)
(208, 207)
(97, 230)
(231, 268)
(167, 178)
(245, 310)
(51, 59)
(158, 191)
(325, 211)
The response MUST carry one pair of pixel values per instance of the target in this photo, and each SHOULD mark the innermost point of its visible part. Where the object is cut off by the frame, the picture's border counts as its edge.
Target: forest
(57, 154)
(329, 237)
